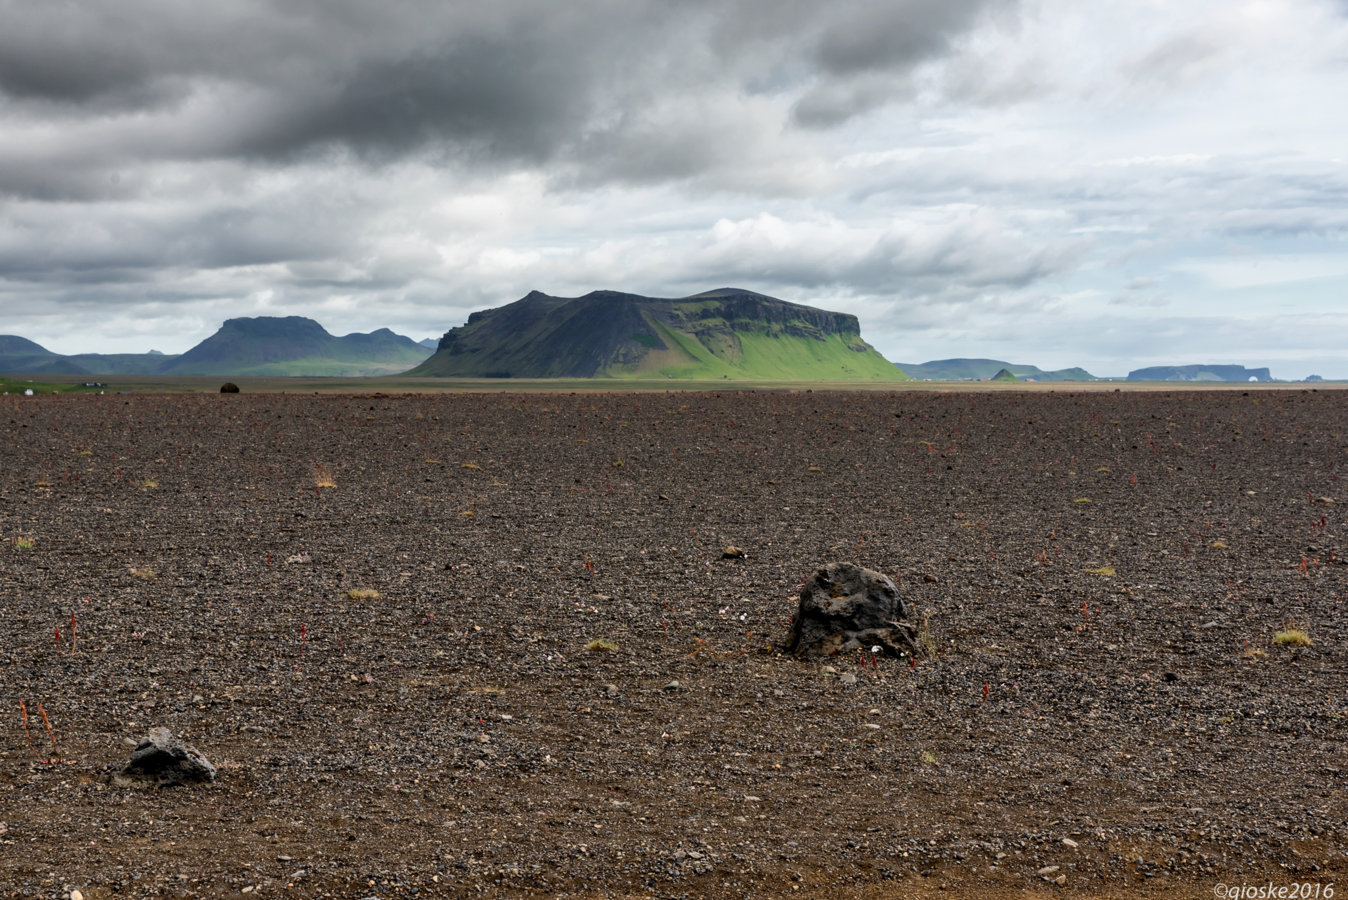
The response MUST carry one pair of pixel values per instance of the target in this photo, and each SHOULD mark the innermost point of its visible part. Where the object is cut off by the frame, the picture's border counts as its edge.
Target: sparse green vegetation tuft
(1292, 637)
(925, 641)
(363, 594)
(601, 645)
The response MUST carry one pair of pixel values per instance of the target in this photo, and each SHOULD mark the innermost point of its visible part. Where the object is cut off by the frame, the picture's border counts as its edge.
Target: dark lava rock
(164, 760)
(844, 608)
(229, 387)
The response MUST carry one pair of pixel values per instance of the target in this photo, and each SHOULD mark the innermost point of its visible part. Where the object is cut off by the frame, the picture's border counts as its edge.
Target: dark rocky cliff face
(791, 317)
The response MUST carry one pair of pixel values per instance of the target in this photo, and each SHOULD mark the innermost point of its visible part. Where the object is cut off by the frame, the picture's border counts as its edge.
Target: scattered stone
(845, 608)
(673, 686)
(733, 552)
(229, 387)
(76, 894)
(1061, 879)
(1070, 843)
(1048, 870)
(164, 760)
(848, 678)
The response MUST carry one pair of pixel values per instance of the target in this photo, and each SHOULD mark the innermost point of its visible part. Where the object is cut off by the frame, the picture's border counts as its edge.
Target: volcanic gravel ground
(1099, 576)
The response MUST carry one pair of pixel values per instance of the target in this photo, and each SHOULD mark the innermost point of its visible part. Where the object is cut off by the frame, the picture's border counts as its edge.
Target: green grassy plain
(18, 384)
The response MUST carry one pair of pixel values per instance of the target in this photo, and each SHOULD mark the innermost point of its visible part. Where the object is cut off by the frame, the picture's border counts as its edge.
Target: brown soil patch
(375, 616)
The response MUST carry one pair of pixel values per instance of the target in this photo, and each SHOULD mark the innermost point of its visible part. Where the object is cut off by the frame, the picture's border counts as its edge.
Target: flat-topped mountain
(725, 334)
(1209, 372)
(294, 345)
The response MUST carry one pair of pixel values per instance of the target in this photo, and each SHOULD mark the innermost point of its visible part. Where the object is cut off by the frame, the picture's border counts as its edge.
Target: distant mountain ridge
(961, 369)
(1200, 373)
(18, 354)
(264, 345)
(724, 334)
(294, 345)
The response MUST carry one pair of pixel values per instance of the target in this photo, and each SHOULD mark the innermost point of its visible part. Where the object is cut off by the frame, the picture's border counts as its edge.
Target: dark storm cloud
(486, 98)
(293, 77)
(884, 34)
(508, 81)
(53, 53)
(866, 50)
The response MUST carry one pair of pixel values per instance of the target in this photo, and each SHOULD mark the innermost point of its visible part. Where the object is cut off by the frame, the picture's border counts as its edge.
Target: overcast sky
(1106, 184)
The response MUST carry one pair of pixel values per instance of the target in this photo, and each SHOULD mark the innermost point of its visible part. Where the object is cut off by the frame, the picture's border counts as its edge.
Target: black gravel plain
(486, 644)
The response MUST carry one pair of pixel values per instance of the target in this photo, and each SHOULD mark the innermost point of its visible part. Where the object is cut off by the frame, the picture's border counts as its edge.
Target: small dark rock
(162, 759)
(846, 608)
(229, 387)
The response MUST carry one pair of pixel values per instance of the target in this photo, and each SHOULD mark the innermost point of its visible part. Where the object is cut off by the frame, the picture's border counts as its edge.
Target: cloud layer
(1036, 180)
